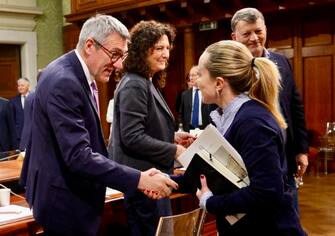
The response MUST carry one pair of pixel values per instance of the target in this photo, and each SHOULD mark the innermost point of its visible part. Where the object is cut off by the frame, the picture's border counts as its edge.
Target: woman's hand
(204, 193)
(183, 138)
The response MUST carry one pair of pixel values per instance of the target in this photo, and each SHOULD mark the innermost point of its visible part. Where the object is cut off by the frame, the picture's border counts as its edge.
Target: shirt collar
(85, 68)
(223, 117)
(266, 53)
(26, 95)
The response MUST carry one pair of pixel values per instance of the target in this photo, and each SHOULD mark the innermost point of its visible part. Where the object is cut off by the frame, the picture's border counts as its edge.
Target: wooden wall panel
(81, 5)
(304, 35)
(10, 70)
(317, 31)
(318, 91)
(205, 38)
(70, 36)
(175, 73)
(280, 31)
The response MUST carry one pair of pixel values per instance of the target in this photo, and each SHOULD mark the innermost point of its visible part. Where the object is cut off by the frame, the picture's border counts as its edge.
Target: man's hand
(183, 138)
(179, 151)
(156, 185)
(302, 163)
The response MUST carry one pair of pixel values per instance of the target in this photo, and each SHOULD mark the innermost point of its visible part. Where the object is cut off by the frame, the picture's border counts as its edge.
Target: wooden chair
(186, 224)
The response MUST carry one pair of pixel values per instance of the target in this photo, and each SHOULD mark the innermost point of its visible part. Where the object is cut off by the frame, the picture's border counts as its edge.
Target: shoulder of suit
(14, 99)
(252, 108)
(3, 100)
(135, 80)
(188, 91)
(278, 56)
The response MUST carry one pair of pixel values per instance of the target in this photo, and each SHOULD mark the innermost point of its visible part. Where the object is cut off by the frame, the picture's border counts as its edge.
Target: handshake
(156, 184)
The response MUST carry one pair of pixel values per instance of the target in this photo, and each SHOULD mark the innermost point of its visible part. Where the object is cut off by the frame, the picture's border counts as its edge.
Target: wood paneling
(304, 33)
(282, 24)
(318, 91)
(10, 69)
(70, 36)
(317, 31)
(174, 73)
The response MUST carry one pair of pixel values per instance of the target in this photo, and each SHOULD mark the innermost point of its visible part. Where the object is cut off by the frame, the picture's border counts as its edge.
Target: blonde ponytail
(265, 88)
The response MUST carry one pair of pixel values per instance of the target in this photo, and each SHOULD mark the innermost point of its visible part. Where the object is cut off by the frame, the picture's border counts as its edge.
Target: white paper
(14, 213)
(218, 152)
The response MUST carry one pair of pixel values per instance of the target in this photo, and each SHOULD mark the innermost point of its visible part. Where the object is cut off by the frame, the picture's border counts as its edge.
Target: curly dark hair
(143, 36)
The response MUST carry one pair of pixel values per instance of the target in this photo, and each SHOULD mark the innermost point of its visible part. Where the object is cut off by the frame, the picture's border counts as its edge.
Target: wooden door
(10, 69)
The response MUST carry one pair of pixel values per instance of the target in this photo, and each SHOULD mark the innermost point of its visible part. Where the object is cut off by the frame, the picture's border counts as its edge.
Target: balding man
(18, 105)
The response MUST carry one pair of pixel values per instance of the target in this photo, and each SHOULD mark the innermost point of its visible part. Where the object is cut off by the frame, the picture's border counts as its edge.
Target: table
(113, 217)
(10, 170)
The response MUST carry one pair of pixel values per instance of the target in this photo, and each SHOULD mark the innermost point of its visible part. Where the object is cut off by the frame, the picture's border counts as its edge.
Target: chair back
(186, 224)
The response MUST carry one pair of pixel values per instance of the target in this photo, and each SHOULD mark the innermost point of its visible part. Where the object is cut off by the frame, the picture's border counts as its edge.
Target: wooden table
(10, 170)
(113, 215)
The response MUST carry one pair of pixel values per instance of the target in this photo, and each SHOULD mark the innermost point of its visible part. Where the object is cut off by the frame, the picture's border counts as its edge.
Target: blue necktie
(195, 112)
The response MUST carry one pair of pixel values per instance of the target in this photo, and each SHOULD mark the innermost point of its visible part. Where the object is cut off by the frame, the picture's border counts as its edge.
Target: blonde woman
(246, 90)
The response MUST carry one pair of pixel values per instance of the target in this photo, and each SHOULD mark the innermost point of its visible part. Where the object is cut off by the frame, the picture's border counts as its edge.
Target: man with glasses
(68, 169)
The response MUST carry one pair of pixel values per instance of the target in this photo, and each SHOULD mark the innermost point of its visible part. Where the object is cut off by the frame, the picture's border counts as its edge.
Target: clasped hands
(155, 184)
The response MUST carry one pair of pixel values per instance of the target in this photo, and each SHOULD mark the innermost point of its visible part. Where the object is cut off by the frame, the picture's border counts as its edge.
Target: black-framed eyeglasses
(113, 55)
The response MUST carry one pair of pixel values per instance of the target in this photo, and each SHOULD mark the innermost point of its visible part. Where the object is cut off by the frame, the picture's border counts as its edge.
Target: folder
(213, 156)
(216, 182)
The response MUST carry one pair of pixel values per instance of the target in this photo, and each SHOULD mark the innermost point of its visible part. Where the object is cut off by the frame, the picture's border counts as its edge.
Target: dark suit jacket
(186, 111)
(25, 143)
(143, 126)
(26, 130)
(18, 115)
(267, 202)
(8, 137)
(68, 169)
(293, 111)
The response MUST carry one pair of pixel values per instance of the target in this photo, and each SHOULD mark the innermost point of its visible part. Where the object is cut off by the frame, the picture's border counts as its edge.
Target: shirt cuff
(203, 199)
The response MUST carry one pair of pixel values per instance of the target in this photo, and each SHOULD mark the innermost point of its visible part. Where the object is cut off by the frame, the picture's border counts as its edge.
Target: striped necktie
(95, 96)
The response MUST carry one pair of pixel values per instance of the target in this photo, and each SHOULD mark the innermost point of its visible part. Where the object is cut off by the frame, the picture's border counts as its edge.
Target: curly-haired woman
(143, 128)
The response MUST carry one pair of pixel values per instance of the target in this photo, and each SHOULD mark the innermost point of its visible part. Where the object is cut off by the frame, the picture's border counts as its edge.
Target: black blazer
(8, 137)
(26, 130)
(293, 111)
(68, 169)
(186, 111)
(143, 126)
(18, 115)
(267, 201)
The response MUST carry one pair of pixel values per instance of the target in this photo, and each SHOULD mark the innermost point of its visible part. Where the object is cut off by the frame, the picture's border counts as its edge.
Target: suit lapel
(160, 100)
(82, 78)
(189, 97)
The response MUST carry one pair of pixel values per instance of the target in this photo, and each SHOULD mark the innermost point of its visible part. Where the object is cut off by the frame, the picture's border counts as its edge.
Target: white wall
(17, 26)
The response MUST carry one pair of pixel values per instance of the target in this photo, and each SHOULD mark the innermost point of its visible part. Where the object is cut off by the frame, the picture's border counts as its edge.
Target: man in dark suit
(68, 168)
(18, 105)
(26, 130)
(248, 26)
(8, 139)
(194, 113)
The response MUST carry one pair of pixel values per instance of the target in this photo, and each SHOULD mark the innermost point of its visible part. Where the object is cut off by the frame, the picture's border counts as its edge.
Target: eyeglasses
(114, 56)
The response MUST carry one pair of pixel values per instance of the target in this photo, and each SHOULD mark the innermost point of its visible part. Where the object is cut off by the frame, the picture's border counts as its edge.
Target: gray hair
(100, 27)
(248, 14)
(24, 79)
